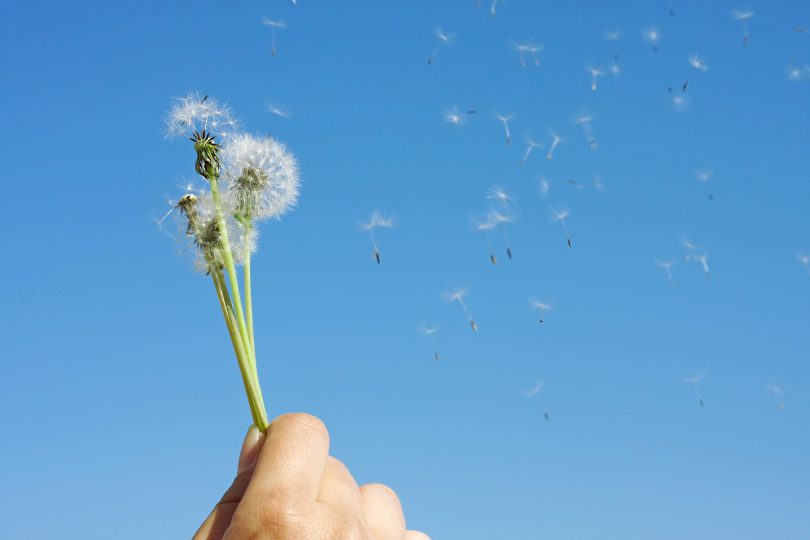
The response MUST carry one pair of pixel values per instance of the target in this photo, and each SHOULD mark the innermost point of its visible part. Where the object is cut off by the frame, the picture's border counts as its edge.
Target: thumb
(250, 449)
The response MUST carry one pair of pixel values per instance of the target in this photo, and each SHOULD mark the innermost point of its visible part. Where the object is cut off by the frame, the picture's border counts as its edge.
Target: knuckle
(303, 421)
(339, 466)
(416, 535)
(380, 490)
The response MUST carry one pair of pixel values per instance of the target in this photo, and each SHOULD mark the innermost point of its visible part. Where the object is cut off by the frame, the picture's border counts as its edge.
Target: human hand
(288, 487)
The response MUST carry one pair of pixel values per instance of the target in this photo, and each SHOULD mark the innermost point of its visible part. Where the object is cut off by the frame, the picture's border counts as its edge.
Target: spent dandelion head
(262, 177)
(193, 113)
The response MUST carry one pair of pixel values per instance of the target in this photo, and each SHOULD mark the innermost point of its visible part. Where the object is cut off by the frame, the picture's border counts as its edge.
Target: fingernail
(250, 449)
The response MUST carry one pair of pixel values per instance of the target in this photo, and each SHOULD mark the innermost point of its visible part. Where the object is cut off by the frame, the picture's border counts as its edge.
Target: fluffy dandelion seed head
(698, 63)
(453, 116)
(378, 219)
(500, 195)
(542, 306)
(560, 214)
(262, 177)
(244, 241)
(193, 113)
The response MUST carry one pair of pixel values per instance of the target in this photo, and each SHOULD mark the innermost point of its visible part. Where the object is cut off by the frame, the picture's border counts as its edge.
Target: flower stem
(248, 290)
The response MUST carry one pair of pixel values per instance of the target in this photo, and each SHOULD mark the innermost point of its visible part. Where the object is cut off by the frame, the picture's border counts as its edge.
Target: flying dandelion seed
(695, 383)
(598, 182)
(527, 51)
(612, 35)
(531, 145)
(457, 295)
(432, 331)
(595, 74)
(680, 102)
(703, 259)
(652, 36)
(585, 122)
(376, 220)
(615, 69)
(670, 9)
(545, 187)
(698, 64)
(505, 118)
(454, 117)
(743, 15)
(555, 142)
(278, 110)
(561, 215)
(798, 73)
(486, 225)
(275, 25)
(493, 6)
(804, 260)
(667, 266)
(776, 392)
(443, 38)
(704, 175)
(542, 307)
(505, 220)
(689, 245)
(534, 390)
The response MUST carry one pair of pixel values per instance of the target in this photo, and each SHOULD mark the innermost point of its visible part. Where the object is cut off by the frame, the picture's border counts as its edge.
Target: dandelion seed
(652, 36)
(192, 114)
(486, 225)
(453, 117)
(698, 64)
(261, 175)
(278, 110)
(743, 15)
(505, 118)
(534, 390)
(680, 102)
(504, 219)
(611, 35)
(555, 142)
(595, 74)
(528, 51)
(542, 307)
(443, 38)
(531, 145)
(545, 187)
(274, 25)
(585, 123)
(670, 9)
(704, 175)
(804, 260)
(695, 383)
(798, 73)
(457, 295)
(776, 392)
(432, 331)
(598, 183)
(493, 6)
(703, 259)
(561, 215)
(376, 220)
(667, 266)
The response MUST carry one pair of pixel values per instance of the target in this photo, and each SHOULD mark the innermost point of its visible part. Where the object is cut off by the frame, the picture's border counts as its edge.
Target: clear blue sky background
(121, 408)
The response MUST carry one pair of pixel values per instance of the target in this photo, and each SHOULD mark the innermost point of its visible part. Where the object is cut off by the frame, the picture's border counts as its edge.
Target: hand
(288, 487)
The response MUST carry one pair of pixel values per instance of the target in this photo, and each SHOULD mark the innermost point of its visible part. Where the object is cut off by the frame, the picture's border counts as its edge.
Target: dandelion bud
(207, 164)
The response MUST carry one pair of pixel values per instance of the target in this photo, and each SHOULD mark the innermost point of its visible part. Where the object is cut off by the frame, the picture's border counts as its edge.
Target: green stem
(248, 291)
(252, 389)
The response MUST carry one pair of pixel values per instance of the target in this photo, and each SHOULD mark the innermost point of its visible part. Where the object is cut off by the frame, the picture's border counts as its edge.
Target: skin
(288, 487)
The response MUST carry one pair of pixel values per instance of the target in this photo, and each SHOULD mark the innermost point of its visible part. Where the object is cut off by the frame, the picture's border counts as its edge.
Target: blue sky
(121, 408)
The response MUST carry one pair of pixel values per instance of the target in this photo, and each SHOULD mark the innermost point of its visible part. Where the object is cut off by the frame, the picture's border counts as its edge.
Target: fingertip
(250, 449)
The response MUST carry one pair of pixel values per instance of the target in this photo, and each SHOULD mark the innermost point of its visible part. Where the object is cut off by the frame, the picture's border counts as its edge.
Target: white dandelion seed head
(453, 117)
(651, 35)
(542, 306)
(262, 176)
(559, 214)
(378, 219)
(499, 195)
(193, 112)
(698, 63)
(244, 241)
(741, 14)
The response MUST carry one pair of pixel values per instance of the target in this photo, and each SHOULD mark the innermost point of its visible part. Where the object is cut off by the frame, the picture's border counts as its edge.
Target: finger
(291, 463)
(214, 526)
(338, 488)
(383, 512)
(415, 535)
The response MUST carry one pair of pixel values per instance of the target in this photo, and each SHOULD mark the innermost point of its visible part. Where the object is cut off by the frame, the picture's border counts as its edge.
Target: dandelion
(698, 64)
(804, 260)
(695, 383)
(486, 225)
(443, 39)
(274, 24)
(527, 50)
(192, 114)
(376, 220)
(585, 122)
(555, 142)
(667, 266)
(531, 145)
(743, 15)
(561, 215)
(505, 118)
(432, 331)
(457, 295)
(542, 307)
(595, 74)
(504, 219)
(453, 117)
(776, 392)
(278, 110)
(652, 36)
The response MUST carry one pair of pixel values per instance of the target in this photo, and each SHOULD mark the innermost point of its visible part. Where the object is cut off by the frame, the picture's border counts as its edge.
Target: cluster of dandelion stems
(212, 240)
